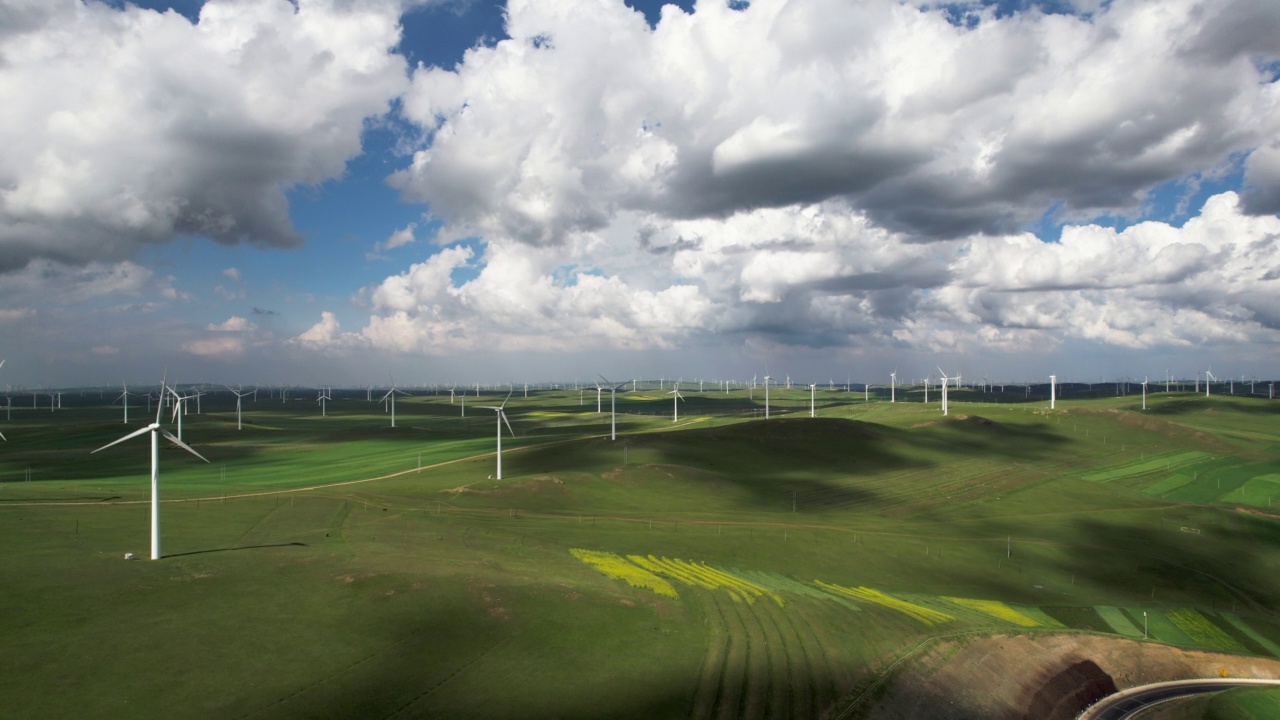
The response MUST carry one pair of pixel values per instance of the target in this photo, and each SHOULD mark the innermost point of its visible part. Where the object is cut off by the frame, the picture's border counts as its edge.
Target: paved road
(1123, 704)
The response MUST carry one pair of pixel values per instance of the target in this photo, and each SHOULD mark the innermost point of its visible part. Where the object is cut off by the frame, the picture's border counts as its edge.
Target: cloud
(105, 350)
(234, 323)
(934, 129)
(130, 126)
(222, 348)
(399, 238)
(232, 274)
(826, 276)
(327, 335)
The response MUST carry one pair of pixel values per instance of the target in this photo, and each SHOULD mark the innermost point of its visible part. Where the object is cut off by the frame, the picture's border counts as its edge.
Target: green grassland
(338, 567)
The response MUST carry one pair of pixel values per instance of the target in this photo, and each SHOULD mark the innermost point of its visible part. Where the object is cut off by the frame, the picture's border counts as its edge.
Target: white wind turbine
(1053, 391)
(125, 396)
(322, 397)
(156, 431)
(1144, 393)
(613, 406)
(391, 398)
(179, 408)
(238, 395)
(926, 390)
(502, 418)
(1208, 375)
(766, 396)
(599, 388)
(945, 380)
(813, 408)
(676, 397)
(893, 382)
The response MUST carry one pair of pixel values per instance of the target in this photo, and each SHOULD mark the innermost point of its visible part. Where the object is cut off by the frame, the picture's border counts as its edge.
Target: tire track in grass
(826, 692)
(798, 660)
(714, 661)
(440, 683)
(755, 690)
(778, 662)
(729, 703)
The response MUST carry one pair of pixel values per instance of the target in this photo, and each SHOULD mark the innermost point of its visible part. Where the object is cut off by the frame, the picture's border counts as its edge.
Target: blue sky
(332, 193)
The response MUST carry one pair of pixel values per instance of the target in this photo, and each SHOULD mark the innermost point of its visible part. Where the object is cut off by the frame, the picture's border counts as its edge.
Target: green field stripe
(1243, 626)
(1152, 464)
(1169, 484)
(1043, 618)
(1203, 630)
(1256, 491)
(1118, 621)
(1079, 618)
(1162, 628)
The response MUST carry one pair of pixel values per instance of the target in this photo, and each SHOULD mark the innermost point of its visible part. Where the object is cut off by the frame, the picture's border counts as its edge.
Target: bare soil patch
(1040, 676)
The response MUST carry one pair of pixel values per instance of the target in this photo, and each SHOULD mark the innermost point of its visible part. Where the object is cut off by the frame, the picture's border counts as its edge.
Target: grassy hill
(337, 567)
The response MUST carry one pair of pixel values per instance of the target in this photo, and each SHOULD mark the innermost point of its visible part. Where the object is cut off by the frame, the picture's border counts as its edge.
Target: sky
(331, 192)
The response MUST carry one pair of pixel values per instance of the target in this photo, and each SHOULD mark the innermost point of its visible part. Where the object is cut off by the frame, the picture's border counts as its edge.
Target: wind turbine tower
(1053, 391)
(156, 431)
(502, 418)
(893, 382)
(766, 396)
(676, 397)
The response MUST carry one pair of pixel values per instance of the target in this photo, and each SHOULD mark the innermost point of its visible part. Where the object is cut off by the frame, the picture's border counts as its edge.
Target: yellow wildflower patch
(995, 609)
(615, 566)
(701, 575)
(928, 616)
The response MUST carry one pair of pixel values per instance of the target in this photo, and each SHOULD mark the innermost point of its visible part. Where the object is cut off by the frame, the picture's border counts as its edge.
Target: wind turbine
(322, 397)
(125, 396)
(1208, 375)
(766, 396)
(598, 390)
(676, 397)
(156, 431)
(391, 396)
(926, 390)
(1053, 391)
(613, 406)
(813, 408)
(945, 381)
(238, 396)
(893, 381)
(1144, 393)
(502, 418)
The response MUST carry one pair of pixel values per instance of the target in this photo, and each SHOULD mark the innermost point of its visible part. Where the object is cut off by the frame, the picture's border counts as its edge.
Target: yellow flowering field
(928, 616)
(995, 609)
(704, 576)
(617, 567)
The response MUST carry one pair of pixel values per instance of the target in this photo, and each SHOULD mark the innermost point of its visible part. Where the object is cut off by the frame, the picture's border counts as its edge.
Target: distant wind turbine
(893, 382)
(502, 419)
(766, 396)
(156, 431)
(613, 405)
(125, 397)
(676, 397)
(944, 382)
(1144, 393)
(1053, 391)
(813, 408)
(238, 395)
(391, 397)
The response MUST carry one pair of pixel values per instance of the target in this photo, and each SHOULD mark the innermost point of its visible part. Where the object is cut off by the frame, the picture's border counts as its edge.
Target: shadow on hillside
(1219, 562)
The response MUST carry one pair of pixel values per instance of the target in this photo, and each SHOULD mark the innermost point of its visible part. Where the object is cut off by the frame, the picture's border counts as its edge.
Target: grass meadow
(723, 566)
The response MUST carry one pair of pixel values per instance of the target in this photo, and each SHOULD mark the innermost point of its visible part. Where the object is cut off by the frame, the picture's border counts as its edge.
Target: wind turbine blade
(505, 422)
(504, 403)
(130, 436)
(181, 444)
(2, 437)
(164, 383)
